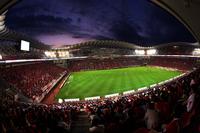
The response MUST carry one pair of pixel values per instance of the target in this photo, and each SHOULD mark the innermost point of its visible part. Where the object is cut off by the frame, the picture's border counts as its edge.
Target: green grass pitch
(102, 82)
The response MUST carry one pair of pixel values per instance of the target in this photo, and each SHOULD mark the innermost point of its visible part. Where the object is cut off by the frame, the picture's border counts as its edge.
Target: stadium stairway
(81, 124)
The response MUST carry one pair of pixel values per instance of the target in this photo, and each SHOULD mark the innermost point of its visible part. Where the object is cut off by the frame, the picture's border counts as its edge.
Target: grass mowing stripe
(83, 87)
(92, 81)
(103, 82)
(73, 87)
(104, 86)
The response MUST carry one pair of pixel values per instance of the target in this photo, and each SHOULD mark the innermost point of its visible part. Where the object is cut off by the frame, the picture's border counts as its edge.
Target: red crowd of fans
(34, 118)
(178, 63)
(96, 64)
(30, 79)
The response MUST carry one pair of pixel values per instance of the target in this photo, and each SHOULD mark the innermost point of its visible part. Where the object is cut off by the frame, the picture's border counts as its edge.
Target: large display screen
(25, 46)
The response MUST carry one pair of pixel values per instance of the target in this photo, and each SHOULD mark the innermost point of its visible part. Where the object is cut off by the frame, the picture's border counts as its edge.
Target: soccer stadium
(107, 66)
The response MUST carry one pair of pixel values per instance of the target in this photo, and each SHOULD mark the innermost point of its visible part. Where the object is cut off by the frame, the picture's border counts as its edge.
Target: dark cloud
(125, 31)
(43, 24)
(135, 21)
(100, 37)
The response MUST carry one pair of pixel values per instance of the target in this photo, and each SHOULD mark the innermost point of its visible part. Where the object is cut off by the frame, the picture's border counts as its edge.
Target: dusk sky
(64, 22)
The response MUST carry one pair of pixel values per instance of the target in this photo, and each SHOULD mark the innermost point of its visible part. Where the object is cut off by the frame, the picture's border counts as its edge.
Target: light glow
(139, 52)
(50, 54)
(151, 51)
(196, 51)
(63, 54)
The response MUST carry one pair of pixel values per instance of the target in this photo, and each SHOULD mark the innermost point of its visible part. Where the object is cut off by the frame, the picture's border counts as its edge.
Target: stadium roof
(125, 45)
(186, 11)
(102, 43)
(5, 4)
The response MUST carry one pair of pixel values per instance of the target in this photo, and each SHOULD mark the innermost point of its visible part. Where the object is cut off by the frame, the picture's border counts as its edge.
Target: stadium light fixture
(63, 53)
(196, 51)
(1, 57)
(139, 52)
(50, 54)
(46, 53)
(151, 51)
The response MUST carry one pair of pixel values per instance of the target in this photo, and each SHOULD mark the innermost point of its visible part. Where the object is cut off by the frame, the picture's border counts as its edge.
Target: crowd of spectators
(33, 118)
(32, 78)
(107, 63)
(171, 62)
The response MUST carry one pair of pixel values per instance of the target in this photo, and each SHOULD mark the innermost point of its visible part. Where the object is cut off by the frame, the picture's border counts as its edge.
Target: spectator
(96, 126)
(175, 126)
(151, 117)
